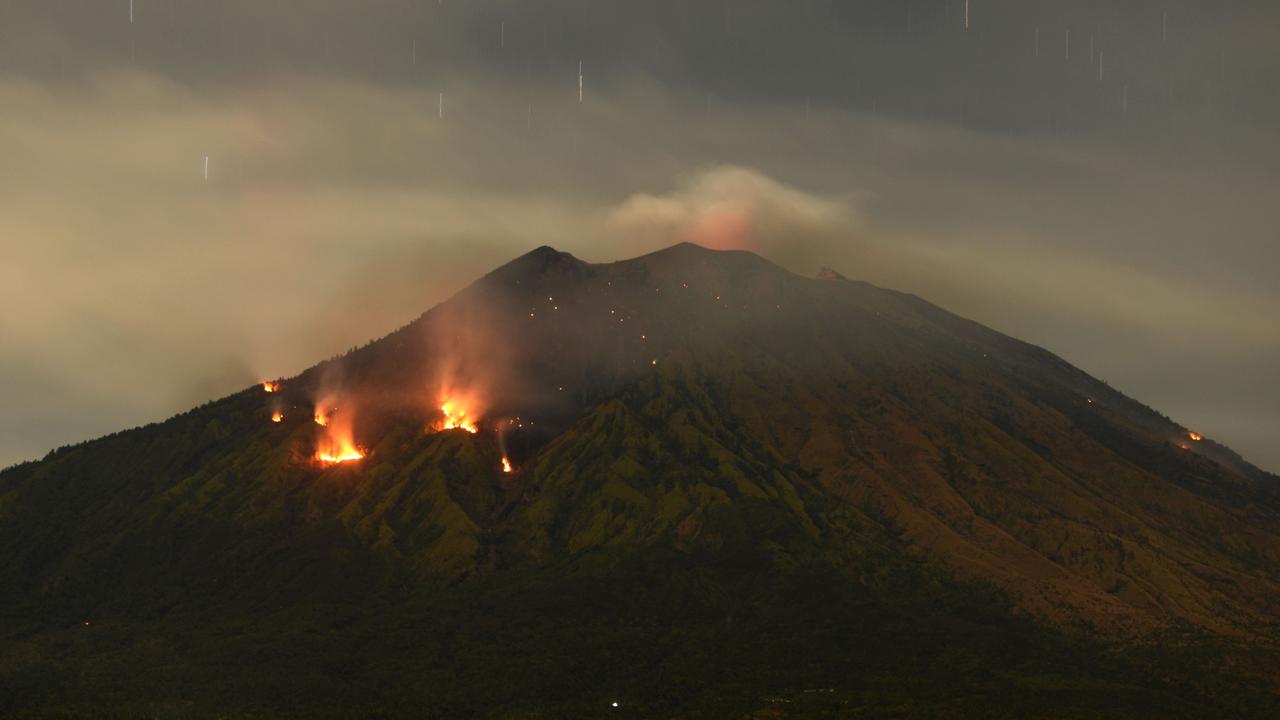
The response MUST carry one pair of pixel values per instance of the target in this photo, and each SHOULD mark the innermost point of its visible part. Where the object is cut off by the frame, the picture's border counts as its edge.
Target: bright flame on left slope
(506, 464)
(1195, 436)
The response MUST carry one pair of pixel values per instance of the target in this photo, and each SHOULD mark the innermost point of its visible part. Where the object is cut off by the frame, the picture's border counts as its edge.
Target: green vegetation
(856, 506)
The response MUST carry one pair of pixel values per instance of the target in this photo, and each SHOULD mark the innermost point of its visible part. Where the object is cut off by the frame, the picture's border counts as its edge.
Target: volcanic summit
(691, 483)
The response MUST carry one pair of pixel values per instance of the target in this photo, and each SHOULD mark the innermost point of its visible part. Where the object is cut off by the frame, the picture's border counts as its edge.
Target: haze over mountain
(1115, 218)
(731, 490)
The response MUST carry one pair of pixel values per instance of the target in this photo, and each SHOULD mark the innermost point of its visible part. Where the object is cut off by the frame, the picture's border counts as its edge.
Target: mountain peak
(686, 249)
(547, 255)
(548, 263)
(688, 256)
(539, 262)
(663, 435)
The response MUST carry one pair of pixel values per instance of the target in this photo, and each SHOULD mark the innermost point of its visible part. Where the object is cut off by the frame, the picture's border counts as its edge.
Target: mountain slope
(714, 458)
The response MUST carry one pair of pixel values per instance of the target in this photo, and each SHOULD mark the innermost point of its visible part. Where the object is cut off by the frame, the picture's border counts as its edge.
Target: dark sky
(1114, 202)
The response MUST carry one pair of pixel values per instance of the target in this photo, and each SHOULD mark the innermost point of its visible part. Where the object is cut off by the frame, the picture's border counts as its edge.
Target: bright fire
(277, 417)
(341, 457)
(1194, 436)
(455, 417)
(337, 442)
(506, 464)
(271, 387)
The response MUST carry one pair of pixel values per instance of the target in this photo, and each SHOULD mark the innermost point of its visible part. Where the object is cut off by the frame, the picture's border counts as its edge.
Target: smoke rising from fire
(469, 366)
(449, 370)
(335, 432)
(335, 413)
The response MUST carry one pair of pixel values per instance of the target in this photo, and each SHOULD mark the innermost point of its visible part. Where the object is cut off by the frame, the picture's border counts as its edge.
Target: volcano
(691, 484)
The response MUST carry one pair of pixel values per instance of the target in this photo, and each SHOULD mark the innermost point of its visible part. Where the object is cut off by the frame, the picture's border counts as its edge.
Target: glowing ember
(455, 417)
(277, 417)
(346, 456)
(321, 419)
(1194, 436)
(506, 464)
(271, 387)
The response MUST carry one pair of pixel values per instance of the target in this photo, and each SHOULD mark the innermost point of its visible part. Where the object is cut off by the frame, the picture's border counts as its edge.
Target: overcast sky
(1111, 195)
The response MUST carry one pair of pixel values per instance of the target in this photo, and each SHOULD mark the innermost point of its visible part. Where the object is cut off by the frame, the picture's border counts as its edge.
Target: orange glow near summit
(721, 229)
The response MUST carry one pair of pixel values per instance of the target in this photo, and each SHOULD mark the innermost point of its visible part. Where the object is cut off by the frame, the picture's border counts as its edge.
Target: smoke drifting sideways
(452, 370)
(1094, 248)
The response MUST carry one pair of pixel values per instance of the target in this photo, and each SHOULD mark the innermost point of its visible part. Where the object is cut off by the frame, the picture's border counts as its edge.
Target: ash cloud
(737, 208)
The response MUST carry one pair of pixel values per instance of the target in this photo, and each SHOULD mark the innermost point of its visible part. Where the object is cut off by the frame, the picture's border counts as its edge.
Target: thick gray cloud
(1125, 223)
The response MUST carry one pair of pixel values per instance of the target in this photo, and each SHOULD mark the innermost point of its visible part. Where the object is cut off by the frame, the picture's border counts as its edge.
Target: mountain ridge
(698, 426)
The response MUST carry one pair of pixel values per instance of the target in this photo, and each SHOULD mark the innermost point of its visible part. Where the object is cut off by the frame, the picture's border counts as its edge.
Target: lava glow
(271, 387)
(506, 464)
(1194, 436)
(455, 416)
(721, 229)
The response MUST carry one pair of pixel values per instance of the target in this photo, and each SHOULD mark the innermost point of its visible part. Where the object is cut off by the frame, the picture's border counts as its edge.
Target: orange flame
(1194, 436)
(455, 416)
(277, 417)
(506, 464)
(337, 444)
(341, 457)
(271, 387)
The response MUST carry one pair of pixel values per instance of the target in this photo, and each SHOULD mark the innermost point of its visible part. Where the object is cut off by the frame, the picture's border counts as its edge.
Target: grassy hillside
(738, 493)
